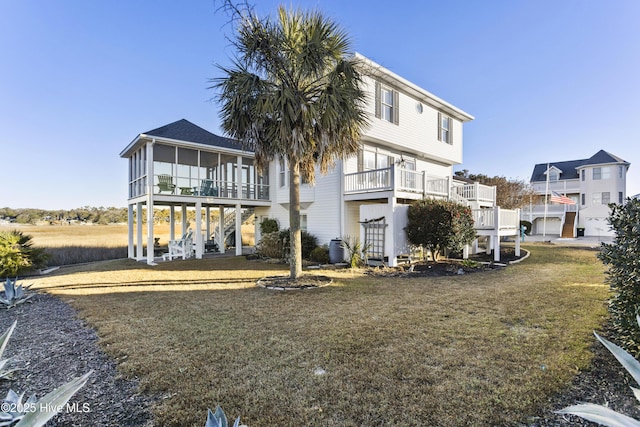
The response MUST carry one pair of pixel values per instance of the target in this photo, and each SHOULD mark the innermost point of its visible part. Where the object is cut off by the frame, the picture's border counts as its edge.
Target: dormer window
(387, 103)
(553, 175)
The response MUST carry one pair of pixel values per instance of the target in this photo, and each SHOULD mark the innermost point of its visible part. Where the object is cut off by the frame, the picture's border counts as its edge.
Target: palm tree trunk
(295, 261)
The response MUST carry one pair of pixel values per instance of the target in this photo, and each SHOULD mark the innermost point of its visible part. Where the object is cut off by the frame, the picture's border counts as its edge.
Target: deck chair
(207, 188)
(165, 183)
(182, 247)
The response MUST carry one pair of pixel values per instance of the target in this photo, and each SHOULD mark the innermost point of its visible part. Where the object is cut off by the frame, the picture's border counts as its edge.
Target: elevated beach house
(407, 153)
(591, 184)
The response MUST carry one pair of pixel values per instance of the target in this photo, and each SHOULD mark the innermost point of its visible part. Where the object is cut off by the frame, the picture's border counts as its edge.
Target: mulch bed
(53, 346)
(282, 283)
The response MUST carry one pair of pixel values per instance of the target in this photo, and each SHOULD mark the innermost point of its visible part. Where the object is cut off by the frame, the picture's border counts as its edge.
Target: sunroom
(182, 165)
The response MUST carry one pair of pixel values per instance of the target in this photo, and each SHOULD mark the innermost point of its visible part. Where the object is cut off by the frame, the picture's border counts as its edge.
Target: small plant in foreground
(14, 295)
(469, 264)
(602, 414)
(356, 252)
(34, 413)
(219, 419)
(4, 363)
(320, 254)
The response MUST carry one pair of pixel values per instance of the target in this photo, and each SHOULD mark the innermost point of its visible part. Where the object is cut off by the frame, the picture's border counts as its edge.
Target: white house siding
(415, 132)
(593, 217)
(395, 236)
(553, 226)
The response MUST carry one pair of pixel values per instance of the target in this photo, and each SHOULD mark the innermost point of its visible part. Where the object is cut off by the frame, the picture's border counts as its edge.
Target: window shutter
(450, 141)
(361, 159)
(396, 107)
(439, 126)
(378, 100)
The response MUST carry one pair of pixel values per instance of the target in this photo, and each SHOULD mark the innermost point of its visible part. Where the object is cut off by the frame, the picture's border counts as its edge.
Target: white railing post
(449, 183)
(424, 183)
(476, 189)
(497, 218)
(392, 178)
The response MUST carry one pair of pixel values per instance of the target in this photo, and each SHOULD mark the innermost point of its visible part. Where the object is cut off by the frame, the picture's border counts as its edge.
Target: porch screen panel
(187, 170)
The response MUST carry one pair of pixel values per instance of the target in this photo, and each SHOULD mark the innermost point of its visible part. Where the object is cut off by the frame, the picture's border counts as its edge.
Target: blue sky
(546, 80)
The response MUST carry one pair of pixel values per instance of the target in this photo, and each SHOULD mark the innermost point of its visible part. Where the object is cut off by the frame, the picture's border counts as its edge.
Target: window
(603, 198)
(601, 173)
(282, 172)
(553, 175)
(303, 222)
(620, 172)
(374, 160)
(582, 175)
(583, 199)
(387, 103)
(445, 128)
(620, 198)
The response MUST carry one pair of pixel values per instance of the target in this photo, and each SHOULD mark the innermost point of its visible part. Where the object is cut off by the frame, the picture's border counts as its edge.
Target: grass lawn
(479, 349)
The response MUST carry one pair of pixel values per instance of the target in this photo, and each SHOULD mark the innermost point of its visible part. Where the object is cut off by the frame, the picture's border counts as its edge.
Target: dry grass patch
(480, 349)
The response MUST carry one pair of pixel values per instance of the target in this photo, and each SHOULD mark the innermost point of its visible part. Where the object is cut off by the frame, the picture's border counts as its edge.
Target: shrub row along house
(591, 184)
(407, 153)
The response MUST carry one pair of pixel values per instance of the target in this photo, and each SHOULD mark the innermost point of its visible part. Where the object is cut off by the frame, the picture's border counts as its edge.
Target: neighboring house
(591, 183)
(408, 152)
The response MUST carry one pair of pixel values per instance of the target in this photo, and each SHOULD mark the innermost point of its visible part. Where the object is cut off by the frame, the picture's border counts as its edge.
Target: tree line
(87, 214)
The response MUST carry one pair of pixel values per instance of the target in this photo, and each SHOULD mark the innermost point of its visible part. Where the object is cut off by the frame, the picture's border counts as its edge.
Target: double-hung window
(445, 128)
(601, 173)
(387, 103)
(282, 172)
(603, 198)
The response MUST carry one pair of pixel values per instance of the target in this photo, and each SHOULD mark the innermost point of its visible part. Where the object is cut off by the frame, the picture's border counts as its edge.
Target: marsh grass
(473, 350)
(76, 244)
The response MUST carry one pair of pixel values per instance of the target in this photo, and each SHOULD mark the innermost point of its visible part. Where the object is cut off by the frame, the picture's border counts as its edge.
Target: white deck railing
(476, 191)
(408, 181)
(363, 182)
(486, 219)
(551, 208)
(210, 188)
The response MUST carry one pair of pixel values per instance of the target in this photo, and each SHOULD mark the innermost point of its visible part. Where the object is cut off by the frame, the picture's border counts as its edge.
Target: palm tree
(294, 92)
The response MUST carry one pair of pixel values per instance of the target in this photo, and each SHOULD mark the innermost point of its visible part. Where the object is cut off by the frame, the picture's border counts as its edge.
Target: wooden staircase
(568, 226)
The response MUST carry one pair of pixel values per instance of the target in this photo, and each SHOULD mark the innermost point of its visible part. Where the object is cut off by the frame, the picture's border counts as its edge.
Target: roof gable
(602, 157)
(184, 130)
(570, 168)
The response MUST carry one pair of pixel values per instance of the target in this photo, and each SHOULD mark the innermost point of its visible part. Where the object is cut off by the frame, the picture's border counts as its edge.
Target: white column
(139, 253)
(130, 220)
(198, 231)
(221, 239)
(150, 248)
(184, 219)
(172, 222)
(389, 236)
(238, 229)
(496, 243)
(208, 220)
(518, 235)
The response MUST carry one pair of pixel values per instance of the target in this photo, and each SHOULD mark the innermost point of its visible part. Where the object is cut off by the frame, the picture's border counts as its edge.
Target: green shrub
(623, 276)
(269, 225)
(320, 254)
(439, 225)
(17, 254)
(308, 240)
(271, 245)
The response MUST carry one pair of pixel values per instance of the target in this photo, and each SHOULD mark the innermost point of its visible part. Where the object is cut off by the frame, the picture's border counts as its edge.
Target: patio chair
(182, 247)
(207, 188)
(165, 183)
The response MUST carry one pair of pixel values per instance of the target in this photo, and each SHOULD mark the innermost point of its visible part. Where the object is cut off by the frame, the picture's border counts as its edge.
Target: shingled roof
(184, 130)
(569, 168)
